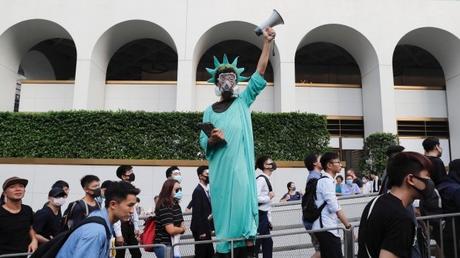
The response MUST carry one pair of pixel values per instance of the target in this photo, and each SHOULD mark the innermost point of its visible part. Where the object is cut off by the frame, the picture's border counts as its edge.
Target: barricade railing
(441, 233)
(16, 255)
(347, 234)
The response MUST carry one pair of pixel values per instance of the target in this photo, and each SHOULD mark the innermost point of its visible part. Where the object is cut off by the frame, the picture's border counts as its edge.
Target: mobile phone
(206, 128)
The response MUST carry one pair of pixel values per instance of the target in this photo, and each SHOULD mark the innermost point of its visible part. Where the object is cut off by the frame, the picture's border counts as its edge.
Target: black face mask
(429, 187)
(206, 179)
(96, 192)
(132, 177)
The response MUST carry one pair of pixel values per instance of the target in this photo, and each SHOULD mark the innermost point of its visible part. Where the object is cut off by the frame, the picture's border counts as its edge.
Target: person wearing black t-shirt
(47, 221)
(168, 213)
(433, 151)
(80, 209)
(16, 219)
(387, 228)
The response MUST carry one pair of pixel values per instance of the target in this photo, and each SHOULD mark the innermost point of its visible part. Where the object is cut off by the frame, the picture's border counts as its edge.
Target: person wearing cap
(16, 232)
(47, 221)
(127, 231)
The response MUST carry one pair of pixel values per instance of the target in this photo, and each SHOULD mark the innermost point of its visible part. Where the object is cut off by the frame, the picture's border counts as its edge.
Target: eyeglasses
(335, 162)
(178, 189)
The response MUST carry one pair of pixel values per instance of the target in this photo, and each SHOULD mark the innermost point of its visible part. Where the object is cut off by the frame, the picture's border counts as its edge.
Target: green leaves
(375, 146)
(143, 135)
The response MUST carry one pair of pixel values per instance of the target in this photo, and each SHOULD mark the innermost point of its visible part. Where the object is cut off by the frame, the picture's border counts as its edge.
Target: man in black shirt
(80, 209)
(433, 151)
(47, 221)
(387, 228)
(16, 232)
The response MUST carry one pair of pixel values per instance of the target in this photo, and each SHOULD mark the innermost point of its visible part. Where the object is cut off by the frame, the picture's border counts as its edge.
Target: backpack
(51, 248)
(310, 212)
(148, 236)
(67, 218)
(270, 188)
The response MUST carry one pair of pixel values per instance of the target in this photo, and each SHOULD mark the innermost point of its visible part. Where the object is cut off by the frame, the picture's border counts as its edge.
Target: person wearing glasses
(169, 219)
(329, 241)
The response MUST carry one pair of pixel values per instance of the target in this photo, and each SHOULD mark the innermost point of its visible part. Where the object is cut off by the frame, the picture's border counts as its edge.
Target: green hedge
(375, 146)
(144, 135)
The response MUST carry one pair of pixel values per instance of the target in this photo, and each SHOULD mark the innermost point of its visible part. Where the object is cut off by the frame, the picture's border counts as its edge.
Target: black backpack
(51, 248)
(310, 212)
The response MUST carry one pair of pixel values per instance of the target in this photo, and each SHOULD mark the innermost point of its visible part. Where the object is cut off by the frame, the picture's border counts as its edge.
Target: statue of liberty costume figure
(229, 150)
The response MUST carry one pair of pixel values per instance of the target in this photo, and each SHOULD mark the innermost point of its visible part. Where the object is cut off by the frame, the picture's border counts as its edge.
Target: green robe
(232, 169)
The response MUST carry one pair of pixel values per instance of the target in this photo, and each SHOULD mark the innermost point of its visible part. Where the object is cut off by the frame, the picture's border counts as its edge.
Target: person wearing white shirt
(329, 241)
(265, 195)
(127, 232)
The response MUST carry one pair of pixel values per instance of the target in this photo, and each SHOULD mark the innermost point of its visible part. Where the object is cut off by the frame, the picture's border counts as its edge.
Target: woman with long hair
(169, 219)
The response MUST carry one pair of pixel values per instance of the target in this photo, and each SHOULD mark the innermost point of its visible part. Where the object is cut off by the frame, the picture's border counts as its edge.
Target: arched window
(248, 57)
(326, 63)
(143, 59)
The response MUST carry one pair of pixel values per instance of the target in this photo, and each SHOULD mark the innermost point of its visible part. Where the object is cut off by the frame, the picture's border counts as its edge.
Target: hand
(269, 34)
(271, 195)
(216, 135)
(287, 197)
(32, 246)
(119, 241)
(188, 210)
(137, 233)
(183, 228)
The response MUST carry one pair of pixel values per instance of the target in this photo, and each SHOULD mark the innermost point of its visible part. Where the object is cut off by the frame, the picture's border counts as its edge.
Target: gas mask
(227, 82)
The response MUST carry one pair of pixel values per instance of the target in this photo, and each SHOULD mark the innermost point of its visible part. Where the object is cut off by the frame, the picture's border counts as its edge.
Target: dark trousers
(264, 229)
(203, 250)
(330, 246)
(127, 231)
(239, 252)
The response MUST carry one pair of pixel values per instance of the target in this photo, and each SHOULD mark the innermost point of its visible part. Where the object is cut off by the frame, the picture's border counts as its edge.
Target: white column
(7, 88)
(185, 92)
(89, 91)
(453, 92)
(378, 100)
(285, 87)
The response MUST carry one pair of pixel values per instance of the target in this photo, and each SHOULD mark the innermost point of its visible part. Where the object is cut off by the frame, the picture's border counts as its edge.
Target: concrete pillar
(378, 100)
(285, 87)
(7, 88)
(453, 92)
(89, 89)
(185, 92)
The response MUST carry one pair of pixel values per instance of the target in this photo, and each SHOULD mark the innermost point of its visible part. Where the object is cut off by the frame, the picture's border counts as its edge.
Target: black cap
(393, 149)
(56, 192)
(14, 180)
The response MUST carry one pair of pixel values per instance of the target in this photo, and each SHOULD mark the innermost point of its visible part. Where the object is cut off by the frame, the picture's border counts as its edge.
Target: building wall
(368, 30)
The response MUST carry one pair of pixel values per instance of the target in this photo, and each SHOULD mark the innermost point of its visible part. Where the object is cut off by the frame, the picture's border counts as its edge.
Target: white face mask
(59, 201)
(178, 178)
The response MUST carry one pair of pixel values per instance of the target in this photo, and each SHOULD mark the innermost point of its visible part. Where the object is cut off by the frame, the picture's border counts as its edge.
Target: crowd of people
(411, 184)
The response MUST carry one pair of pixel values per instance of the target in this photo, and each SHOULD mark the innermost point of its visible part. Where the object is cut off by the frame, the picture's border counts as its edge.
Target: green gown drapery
(232, 169)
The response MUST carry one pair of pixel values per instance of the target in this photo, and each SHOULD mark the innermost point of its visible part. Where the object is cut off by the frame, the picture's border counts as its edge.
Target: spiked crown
(225, 64)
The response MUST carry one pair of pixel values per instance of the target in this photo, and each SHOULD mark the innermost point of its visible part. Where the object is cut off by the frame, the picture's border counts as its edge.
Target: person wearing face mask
(387, 227)
(47, 221)
(201, 225)
(349, 188)
(231, 157)
(173, 172)
(80, 209)
(292, 194)
(169, 218)
(265, 195)
(127, 232)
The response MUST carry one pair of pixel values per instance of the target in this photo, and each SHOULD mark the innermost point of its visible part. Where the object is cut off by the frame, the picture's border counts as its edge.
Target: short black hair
(260, 162)
(119, 191)
(121, 170)
(327, 157)
(60, 184)
(223, 70)
(201, 169)
(393, 149)
(88, 179)
(170, 170)
(339, 176)
(405, 163)
(106, 184)
(310, 161)
(430, 143)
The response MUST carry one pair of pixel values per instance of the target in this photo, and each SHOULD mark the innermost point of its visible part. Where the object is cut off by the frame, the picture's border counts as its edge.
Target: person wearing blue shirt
(91, 240)
(350, 188)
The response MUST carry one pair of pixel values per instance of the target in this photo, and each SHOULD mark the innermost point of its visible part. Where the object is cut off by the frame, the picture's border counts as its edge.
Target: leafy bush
(144, 135)
(375, 146)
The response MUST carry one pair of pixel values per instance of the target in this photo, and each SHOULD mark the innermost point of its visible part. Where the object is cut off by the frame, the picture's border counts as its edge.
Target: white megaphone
(272, 21)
